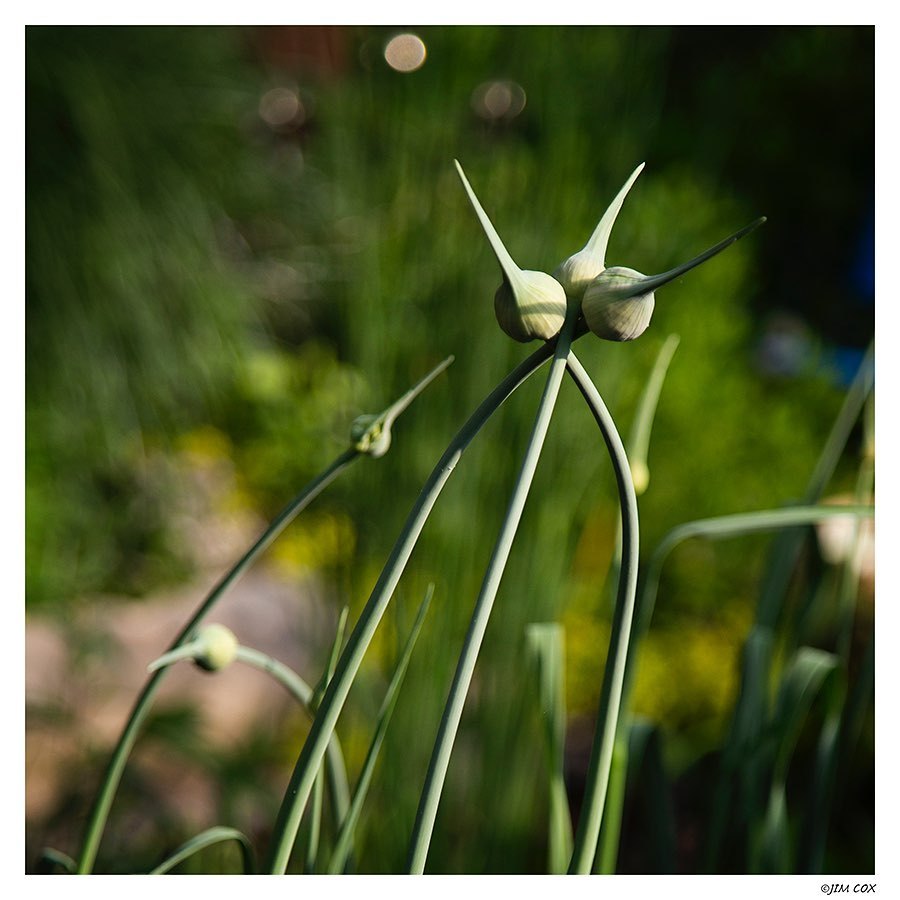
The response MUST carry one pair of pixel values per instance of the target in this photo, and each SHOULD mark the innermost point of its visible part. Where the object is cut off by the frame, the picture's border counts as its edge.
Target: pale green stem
(607, 717)
(611, 829)
(443, 747)
(113, 776)
(315, 824)
(298, 688)
(215, 835)
(721, 527)
(298, 791)
(639, 439)
(547, 643)
(342, 846)
(638, 449)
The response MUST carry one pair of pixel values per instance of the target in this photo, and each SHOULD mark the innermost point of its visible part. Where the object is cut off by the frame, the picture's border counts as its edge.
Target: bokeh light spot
(498, 100)
(281, 107)
(405, 52)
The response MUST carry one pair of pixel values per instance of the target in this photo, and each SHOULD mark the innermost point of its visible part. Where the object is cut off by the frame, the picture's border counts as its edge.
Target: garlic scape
(213, 648)
(577, 272)
(372, 434)
(618, 303)
(527, 304)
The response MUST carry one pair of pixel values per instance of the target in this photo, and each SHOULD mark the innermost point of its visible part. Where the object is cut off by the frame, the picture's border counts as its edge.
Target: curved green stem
(443, 747)
(345, 837)
(113, 776)
(215, 835)
(720, 527)
(614, 675)
(298, 791)
(298, 688)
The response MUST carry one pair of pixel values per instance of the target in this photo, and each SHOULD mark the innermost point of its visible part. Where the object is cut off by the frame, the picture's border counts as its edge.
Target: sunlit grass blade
(315, 819)
(345, 837)
(546, 641)
(215, 835)
(297, 795)
(588, 832)
(462, 678)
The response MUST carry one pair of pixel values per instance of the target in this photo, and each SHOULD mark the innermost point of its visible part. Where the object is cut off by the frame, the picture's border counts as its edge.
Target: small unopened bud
(213, 648)
(372, 434)
(640, 476)
(218, 648)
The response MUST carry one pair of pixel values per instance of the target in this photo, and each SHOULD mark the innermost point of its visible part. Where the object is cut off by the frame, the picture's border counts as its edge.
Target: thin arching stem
(297, 794)
(607, 717)
(443, 747)
(303, 692)
(116, 767)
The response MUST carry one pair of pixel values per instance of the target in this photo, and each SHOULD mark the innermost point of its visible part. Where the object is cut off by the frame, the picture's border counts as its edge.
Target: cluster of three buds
(616, 303)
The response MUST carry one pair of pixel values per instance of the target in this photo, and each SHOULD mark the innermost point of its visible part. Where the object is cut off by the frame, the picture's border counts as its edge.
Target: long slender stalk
(720, 527)
(459, 689)
(315, 824)
(298, 791)
(638, 447)
(547, 643)
(611, 824)
(613, 678)
(116, 767)
(303, 692)
(345, 837)
(639, 436)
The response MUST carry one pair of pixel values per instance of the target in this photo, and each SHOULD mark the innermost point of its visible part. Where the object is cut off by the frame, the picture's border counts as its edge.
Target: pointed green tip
(508, 265)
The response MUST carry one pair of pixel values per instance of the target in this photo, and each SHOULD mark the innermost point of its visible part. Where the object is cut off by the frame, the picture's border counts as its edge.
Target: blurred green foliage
(192, 270)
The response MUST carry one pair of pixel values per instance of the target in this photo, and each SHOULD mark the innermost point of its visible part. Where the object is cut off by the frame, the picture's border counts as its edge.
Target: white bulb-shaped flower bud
(529, 305)
(619, 302)
(610, 315)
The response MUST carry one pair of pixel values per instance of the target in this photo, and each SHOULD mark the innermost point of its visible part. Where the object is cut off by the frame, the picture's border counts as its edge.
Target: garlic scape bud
(577, 272)
(619, 302)
(213, 648)
(372, 434)
(527, 304)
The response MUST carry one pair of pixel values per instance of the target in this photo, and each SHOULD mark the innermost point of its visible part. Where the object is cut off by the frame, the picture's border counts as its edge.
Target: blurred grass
(192, 271)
